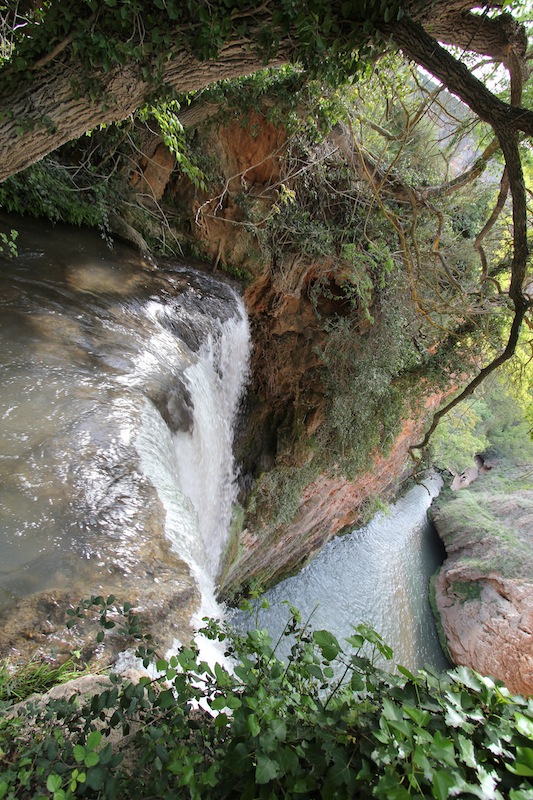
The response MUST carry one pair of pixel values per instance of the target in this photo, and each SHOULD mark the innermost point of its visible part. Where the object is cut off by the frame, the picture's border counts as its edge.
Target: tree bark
(50, 110)
(50, 107)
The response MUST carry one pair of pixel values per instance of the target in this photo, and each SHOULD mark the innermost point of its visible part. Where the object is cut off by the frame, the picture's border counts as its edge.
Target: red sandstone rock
(492, 633)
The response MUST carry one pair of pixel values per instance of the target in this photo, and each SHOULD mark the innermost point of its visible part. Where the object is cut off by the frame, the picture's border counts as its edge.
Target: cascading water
(120, 384)
(192, 468)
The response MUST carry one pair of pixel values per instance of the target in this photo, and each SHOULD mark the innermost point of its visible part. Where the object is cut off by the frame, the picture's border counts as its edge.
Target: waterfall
(192, 467)
(119, 389)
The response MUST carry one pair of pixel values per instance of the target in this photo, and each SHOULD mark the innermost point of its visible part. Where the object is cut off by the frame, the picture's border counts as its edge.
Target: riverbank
(483, 593)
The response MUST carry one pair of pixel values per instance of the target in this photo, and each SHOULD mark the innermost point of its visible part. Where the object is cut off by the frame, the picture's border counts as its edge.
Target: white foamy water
(193, 470)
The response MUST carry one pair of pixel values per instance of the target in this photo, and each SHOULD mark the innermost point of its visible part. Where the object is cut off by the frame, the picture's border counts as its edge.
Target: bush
(327, 724)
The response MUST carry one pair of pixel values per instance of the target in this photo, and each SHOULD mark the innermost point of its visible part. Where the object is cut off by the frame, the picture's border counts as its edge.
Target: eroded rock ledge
(484, 591)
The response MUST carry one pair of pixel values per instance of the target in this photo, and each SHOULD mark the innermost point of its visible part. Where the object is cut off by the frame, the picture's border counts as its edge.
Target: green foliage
(367, 380)
(173, 135)
(460, 436)
(8, 246)
(278, 492)
(52, 190)
(327, 724)
(494, 419)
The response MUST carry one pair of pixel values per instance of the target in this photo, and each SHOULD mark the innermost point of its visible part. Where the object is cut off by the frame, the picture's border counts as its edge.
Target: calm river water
(378, 575)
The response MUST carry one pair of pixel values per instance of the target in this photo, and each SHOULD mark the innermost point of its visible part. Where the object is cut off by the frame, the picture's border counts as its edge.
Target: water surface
(378, 575)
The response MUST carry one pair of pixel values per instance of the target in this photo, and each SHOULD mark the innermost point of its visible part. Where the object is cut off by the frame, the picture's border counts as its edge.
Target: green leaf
(523, 764)
(442, 783)
(91, 759)
(419, 716)
(96, 778)
(252, 725)
(79, 753)
(467, 751)
(288, 760)
(524, 725)
(266, 769)
(233, 702)
(219, 703)
(391, 710)
(328, 644)
(53, 782)
(94, 739)
(279, 729)
(442, 749)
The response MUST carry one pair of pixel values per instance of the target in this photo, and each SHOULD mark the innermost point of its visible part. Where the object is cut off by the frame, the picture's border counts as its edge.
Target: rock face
(484, 591)
(327, 506)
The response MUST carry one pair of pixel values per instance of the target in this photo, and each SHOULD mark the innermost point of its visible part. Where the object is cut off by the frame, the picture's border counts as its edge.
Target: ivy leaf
(524, 725)
(524, 762)
(266, 769)
(442, 783)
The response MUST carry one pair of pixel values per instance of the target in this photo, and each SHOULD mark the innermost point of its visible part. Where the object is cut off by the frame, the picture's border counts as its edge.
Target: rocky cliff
(484, 591)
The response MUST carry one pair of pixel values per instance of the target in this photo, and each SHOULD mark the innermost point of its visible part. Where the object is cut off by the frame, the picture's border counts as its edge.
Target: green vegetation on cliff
(327, 724)
(489, 523)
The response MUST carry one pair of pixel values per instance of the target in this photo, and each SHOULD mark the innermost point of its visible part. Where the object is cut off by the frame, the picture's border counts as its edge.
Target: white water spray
(193, 470)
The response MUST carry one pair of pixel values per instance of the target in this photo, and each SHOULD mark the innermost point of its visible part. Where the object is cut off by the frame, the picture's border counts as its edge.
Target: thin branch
(498, 208)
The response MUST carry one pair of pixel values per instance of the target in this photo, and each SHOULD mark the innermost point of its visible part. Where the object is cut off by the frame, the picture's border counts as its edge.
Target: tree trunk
(421, 48)
(53, 105)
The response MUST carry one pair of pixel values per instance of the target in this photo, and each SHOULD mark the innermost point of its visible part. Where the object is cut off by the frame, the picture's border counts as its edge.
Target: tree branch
(419, 46)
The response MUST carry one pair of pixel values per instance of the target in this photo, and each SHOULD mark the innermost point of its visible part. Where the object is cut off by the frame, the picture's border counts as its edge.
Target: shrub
(327, 724)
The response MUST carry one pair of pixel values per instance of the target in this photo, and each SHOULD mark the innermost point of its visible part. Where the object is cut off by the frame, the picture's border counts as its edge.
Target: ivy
(173, 135)
(333, 39)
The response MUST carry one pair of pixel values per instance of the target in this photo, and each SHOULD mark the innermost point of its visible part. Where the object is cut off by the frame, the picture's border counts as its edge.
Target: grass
(493, 521)
(17, 682)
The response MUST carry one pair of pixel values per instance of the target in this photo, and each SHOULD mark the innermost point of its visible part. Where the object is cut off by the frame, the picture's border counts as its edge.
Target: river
(378, 575)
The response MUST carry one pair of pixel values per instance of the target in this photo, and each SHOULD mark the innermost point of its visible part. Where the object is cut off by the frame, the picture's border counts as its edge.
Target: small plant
(8, 247)
(19, 682)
